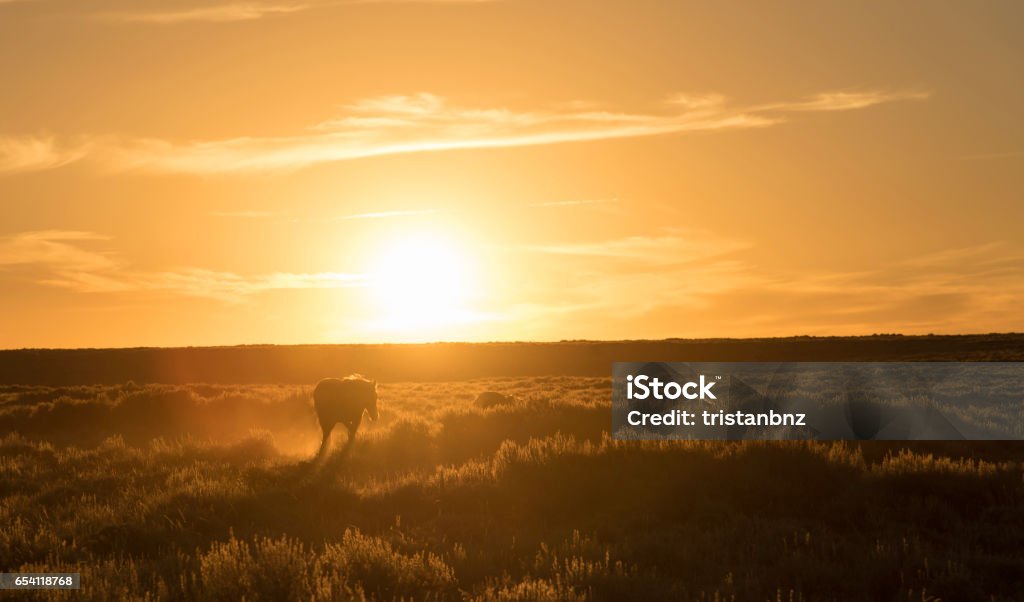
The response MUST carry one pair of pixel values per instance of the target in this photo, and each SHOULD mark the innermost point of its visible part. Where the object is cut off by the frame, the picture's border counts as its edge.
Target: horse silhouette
(489, 399)
(343, 400)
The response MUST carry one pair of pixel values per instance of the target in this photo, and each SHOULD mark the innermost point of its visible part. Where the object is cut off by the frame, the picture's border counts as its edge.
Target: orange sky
(195, 173)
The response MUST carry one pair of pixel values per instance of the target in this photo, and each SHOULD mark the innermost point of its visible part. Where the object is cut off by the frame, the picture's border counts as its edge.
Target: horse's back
(335, 399)
(489, 399)
(328, 386)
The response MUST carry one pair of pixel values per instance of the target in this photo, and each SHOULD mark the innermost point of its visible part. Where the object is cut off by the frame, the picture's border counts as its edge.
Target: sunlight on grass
(207, 492)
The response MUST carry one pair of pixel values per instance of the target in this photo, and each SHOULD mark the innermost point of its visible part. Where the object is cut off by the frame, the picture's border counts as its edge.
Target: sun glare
(420, 283)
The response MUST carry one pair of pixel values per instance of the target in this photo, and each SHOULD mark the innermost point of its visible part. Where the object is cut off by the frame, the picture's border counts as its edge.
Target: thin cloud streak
(671, 247)
(59, 258)
(247, 154)
(575, 203)
(20, 154)
(844, 101)
(244, 11)
(61, 249)
(245, 214)
(967, 288)
(223, 13)
(387, 214)
(391, 125)
(425, 122)
(233, 287)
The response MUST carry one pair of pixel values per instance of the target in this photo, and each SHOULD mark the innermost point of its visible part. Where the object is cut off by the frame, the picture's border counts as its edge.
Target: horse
(344, 400)
(489, 399)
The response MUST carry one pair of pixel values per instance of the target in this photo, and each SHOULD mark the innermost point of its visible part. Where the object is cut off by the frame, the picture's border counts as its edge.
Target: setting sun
(421, 282)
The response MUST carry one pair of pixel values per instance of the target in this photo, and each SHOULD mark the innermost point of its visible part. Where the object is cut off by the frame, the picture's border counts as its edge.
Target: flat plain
(209, 491)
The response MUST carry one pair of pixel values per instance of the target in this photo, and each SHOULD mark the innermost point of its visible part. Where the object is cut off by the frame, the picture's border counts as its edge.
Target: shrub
(385, 573)
(267, 570)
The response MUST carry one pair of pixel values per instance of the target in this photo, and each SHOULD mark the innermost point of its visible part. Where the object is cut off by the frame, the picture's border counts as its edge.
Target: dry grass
(204, 492)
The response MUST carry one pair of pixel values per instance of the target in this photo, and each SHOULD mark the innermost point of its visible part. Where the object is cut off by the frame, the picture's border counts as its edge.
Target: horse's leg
(352, 428)
(327, 428)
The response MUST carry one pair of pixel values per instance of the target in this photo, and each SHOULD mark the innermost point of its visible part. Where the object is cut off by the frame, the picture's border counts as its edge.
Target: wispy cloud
(843, 101)
(427, 123)
(575, 203)
(61, 249)
(993, 253)
(229, 286)
(387, 214)
(670, 247)
(245, 214)
(36, 153)
(714, 287)
(67, 260)
(228, 12)
(285, 217)
(218, 13)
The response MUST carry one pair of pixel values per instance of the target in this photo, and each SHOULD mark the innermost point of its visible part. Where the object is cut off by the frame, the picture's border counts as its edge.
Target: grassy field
(209, 492)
